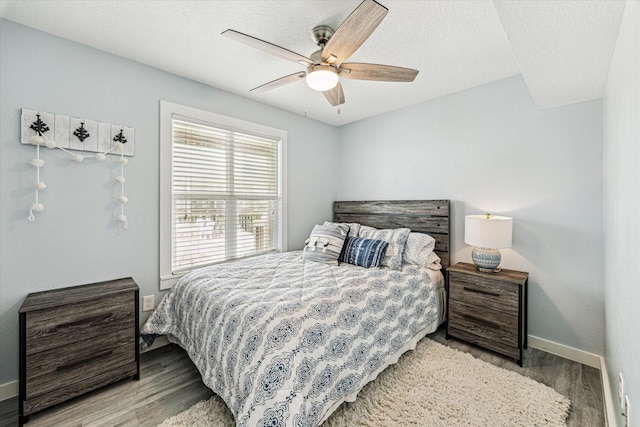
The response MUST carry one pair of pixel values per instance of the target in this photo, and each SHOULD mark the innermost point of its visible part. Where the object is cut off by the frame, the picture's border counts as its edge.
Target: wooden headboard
(424, 216)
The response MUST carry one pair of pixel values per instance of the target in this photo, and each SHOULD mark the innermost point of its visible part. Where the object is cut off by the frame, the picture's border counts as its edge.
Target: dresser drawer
(486, 324)
(491, 294)
(62, 366)
(69, 323)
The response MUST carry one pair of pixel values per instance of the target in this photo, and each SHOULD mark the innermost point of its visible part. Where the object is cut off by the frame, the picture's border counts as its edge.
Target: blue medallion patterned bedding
(284, 340)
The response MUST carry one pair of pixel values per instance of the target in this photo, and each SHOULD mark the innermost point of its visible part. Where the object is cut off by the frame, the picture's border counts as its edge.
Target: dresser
(488, 309)
(77, 339)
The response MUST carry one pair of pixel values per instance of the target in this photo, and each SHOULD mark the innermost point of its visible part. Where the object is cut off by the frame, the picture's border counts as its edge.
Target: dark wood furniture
(488, 309)
(77, 339)
(424, 216)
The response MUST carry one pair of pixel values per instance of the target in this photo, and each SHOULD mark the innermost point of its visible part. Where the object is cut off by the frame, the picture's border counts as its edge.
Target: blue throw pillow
(366, 253)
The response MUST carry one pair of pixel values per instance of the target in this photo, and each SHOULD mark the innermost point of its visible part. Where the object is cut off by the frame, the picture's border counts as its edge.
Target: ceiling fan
(326, 66)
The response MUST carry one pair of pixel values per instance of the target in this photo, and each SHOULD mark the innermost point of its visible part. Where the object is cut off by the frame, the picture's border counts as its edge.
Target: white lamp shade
(488, 231)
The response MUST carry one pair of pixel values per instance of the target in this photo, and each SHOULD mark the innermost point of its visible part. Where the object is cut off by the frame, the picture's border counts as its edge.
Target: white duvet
(285, 341)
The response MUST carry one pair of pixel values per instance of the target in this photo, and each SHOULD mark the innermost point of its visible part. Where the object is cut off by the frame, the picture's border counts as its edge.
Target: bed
(284, 340)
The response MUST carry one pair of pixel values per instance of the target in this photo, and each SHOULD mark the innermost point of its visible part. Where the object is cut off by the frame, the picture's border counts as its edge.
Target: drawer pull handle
(484, 322)
(480, 291)
(88, 320)
(91, 358)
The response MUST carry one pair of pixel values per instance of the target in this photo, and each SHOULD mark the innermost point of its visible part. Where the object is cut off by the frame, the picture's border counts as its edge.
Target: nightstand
(75, 340)
(488, 309)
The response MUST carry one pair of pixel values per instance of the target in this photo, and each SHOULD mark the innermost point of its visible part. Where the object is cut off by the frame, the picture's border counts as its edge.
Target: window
(221, 190)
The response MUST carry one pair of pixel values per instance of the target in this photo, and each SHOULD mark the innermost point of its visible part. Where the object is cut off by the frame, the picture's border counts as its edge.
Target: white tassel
(123, 219)
(36, 207)
(312, 245)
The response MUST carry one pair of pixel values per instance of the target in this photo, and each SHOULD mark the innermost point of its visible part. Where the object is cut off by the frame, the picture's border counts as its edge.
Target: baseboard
(567, 352)
(609, 407)
(585, 358)
(8, 390)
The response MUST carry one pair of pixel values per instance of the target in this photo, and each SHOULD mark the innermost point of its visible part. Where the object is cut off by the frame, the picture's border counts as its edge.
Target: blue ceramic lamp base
(486, 260)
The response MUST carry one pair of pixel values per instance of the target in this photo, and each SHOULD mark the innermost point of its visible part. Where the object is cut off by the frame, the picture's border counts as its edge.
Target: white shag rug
(433, 385)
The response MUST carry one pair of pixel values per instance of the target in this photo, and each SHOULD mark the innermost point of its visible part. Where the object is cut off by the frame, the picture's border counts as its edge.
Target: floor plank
(169, 383)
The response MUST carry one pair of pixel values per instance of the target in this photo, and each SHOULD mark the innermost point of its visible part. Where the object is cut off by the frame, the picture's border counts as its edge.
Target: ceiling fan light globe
(322, 77)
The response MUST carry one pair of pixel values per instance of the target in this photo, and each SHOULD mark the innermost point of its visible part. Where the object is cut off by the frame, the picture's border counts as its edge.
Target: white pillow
(418, 250)
(396, 237)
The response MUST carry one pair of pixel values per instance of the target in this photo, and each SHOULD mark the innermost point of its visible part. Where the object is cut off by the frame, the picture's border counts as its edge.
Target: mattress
(284, 341)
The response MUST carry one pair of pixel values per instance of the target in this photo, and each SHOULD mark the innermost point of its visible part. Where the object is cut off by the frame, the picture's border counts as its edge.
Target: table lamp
(487, 233)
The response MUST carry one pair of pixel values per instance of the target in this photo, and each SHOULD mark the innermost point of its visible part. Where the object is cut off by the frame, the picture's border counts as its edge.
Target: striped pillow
(325, 243)
(366, 253)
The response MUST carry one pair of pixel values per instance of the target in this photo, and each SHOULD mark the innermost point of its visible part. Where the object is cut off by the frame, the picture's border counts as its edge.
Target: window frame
(169, 111)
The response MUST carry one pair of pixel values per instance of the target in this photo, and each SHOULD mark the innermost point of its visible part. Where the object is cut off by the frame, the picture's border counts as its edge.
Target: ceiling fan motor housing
(321, 35)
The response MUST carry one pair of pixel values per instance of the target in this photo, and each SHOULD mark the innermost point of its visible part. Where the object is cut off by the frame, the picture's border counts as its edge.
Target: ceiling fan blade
(279, 82)
(267, 47)
(335, 96)
(354, 31)
(383, 73)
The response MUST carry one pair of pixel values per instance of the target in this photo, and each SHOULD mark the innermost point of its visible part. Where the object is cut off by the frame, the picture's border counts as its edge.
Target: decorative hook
(120, 137)
(81, 133)
(39, 126)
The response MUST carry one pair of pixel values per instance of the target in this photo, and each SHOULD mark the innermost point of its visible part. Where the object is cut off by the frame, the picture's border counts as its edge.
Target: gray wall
(622, 212)
(75, 241)
(489, 150)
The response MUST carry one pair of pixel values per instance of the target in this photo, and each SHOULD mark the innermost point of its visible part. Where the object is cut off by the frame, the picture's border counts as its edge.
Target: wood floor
(170, 383)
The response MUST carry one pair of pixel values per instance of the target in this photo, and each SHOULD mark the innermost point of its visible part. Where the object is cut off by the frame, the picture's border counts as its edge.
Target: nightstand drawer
(485, 324)
(66, 324)
(507, 350)
(488, 293)
(62, 366)
(63, 394)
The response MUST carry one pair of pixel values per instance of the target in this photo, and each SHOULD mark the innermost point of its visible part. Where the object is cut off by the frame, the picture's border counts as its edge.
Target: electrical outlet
(621, 390)
(148, 303)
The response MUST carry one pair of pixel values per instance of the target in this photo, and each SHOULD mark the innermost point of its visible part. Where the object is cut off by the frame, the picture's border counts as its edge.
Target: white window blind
(225, 192)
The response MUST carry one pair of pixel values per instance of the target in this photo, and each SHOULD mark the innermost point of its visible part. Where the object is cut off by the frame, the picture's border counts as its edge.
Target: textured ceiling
(562, 48)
